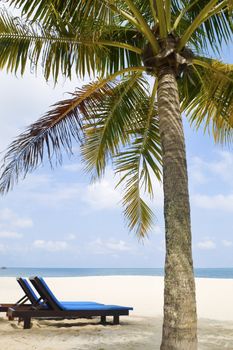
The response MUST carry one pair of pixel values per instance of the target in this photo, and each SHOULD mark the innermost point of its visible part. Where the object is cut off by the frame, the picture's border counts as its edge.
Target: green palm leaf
(74, 13)
(137, 163)
(21, 42)
(212, 27)
(110, 118)
(48, 10)
(208, 97)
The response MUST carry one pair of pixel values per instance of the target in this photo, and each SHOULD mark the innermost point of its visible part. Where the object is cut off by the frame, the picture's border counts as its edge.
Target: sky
(58, 218)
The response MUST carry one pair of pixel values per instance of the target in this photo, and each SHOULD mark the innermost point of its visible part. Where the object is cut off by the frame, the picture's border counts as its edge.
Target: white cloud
(223, 166)
(100, 246)
(34, 181)
(74, 168)
(206, 244)
(219, 202)
(10, 234)
(71, 237)
(97, 196)
(10, 219)
(51, 246)
(119, 246)
(100, 195)
(103, 194)
(200, 171)
(56, 195)
(227, 243)
(196, 170)
(204, 171)
(23, 223)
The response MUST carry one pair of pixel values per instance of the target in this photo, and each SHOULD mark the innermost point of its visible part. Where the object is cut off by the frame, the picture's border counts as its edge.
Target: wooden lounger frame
(26, 315)
(19, 304)
(5, 307)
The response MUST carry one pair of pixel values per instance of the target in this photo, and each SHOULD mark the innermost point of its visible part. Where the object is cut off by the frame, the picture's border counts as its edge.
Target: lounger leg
(103, 319)
(116, 319)
(27, 323)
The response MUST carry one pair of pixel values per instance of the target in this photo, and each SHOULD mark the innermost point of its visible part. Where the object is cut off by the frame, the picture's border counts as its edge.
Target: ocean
(75, 272)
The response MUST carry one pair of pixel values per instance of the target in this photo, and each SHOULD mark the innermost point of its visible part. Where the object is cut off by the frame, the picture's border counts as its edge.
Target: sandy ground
(140, 331)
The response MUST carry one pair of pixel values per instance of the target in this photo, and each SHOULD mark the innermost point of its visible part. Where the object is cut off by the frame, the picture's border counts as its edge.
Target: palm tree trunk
(180, 321)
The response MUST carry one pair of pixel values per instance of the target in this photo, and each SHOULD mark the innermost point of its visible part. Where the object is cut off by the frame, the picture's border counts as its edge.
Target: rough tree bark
(180, 320)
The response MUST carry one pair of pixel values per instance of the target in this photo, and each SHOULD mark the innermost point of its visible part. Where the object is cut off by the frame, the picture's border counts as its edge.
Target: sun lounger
(51, 307)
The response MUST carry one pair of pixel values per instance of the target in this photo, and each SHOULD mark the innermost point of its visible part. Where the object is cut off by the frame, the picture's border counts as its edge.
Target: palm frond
(87, 52)
(47, 11)
(161, 11)
(48, 136)
(210, 21)
(137, 163)
(52, 134)
(75, 12)
(110, 117)
(207, 97)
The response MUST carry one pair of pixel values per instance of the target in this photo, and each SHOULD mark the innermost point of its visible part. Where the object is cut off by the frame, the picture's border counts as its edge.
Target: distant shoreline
(221, 273)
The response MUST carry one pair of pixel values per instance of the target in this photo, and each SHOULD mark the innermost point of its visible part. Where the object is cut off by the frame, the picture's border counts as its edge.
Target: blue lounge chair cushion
(30, 289)
(81, 305)
(50, 292)
(70, 303)
(78, 306)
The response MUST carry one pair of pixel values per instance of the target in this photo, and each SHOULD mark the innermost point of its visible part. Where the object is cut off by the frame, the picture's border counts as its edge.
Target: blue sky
(59, 219)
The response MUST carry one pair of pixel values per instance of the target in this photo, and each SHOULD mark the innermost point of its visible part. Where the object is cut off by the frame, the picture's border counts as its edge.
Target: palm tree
(152, 62)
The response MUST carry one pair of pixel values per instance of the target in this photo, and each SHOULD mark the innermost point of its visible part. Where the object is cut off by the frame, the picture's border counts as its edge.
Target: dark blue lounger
(50, 307)
(86, 305)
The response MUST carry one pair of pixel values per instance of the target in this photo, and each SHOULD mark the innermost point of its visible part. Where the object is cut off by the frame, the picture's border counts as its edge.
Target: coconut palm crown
(127, 47)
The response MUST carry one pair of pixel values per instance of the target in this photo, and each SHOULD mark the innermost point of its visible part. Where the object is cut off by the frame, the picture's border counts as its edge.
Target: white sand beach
(141, 330)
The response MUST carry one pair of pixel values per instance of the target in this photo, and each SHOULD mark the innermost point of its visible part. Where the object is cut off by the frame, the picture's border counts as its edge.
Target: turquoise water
(72, 272)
